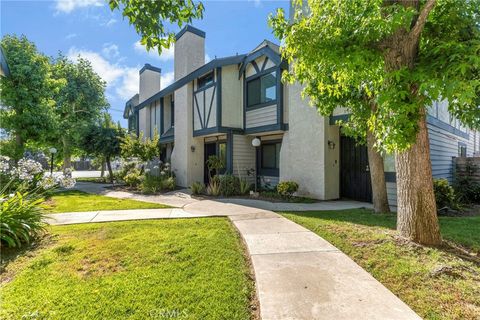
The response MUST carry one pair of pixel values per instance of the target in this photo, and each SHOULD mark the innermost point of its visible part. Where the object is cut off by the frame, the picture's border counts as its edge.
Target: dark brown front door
(355, 182)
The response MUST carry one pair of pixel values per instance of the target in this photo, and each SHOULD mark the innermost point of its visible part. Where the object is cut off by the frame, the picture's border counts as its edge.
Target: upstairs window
(262, 89)
(205, 80)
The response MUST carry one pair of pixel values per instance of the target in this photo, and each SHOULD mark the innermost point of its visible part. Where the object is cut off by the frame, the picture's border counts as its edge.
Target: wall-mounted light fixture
(331, 144)
(192, 148)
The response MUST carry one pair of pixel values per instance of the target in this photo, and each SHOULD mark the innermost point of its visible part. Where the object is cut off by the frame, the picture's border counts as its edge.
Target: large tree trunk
(102, 168)
(67, 153)
(19, 146)
(110, 171)
(417, 211)
(377, 174)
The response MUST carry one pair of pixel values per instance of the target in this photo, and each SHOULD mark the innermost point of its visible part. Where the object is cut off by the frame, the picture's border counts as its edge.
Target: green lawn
(409, 270)
(182, 268)
(74, 200)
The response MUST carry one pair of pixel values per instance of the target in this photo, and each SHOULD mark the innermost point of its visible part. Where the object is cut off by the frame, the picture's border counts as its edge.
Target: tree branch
(422, 18)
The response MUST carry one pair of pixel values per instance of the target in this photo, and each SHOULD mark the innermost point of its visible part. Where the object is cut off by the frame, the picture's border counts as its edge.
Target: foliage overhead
(150, 17)
(81, 101)
(26, 94)
(337, 50)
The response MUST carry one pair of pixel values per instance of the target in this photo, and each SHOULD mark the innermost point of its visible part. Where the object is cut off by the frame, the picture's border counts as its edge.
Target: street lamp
(256, 143)
(52, 151)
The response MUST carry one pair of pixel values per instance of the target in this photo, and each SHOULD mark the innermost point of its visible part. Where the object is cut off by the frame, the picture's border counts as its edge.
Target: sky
(90, 29)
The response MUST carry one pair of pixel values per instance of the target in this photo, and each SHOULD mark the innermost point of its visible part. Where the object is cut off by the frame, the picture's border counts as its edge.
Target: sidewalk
(298, 274)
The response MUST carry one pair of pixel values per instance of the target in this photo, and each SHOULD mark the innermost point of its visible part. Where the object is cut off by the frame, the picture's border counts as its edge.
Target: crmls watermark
(168, 314)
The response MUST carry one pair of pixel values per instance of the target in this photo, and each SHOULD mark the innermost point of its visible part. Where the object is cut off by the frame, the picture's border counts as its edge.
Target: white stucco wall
(149, 84)
(304, 156)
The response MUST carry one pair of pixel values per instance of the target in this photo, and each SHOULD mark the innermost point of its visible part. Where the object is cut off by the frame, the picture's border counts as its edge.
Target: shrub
(466, 189)
(444, 193)
(152, 183)
(229, 185)
(169, 183)
(213, 188)
(244, 186)
(197, 188)
(133, 179)
(21, 217)
(287, 188)
(126, 169)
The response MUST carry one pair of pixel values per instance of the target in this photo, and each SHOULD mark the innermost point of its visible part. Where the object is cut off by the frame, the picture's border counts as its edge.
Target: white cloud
(167, 54)
(121, 80)
(257, 3)
(110, 50)
(167, 79)
(67, 6)
(70, 36)
(110, 22)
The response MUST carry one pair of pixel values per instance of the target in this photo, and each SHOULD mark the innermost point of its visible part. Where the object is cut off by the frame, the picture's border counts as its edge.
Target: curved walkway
(298, 274)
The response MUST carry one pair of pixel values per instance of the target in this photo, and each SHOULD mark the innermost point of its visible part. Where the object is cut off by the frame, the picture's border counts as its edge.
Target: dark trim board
(219, 96)
(192, 76)
(213, 130)
(262, 105)
(191, 29)
(447, 127)
(148, 66)
(265, 51)
(264, 72)
(271, 127)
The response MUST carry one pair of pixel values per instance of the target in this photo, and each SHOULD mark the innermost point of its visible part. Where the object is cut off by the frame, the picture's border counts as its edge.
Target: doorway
(355, 181)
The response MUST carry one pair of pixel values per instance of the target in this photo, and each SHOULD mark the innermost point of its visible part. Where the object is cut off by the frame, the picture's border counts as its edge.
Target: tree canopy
(150, 18)
(338, 50)
(27, 93)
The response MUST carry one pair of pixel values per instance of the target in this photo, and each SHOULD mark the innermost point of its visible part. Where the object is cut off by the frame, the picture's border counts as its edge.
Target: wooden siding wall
(243, 157)
(443, 148)
(261, 116)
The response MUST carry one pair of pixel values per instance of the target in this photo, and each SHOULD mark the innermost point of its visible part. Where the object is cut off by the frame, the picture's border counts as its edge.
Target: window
(262, 89)
(462, 149)
(270, 158)
(205, 80)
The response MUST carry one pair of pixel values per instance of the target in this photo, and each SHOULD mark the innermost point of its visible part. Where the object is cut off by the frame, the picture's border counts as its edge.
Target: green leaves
(337, 51)
(149, 18)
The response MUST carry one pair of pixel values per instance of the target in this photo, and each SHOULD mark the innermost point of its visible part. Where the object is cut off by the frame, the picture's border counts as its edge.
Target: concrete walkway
(298, 274)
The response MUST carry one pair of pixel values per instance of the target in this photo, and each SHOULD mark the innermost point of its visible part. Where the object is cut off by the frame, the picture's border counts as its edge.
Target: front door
(355, 182)
(210, 150)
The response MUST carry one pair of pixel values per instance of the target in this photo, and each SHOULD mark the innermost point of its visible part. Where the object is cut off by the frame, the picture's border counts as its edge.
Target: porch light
(256, 142)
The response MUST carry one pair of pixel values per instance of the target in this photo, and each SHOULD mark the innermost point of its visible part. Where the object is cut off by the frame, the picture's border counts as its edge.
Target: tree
(145, 149)
(26, 95)
(401, 55)
(149, 18)
(79, 103)
(103, 140)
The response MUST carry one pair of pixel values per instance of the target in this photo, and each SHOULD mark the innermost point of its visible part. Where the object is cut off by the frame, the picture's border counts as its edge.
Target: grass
(93, 179)
(182, 268)
(438, 283)
(76, 201)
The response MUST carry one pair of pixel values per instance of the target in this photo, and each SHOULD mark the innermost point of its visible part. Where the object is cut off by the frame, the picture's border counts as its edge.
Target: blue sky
(88, 28)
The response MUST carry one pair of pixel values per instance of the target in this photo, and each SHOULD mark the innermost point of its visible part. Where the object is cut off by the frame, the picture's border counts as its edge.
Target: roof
(218, 62)
(191, 29)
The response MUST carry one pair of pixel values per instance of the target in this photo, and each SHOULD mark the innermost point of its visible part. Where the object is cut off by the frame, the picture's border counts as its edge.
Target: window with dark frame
(462, 150)
(270, 158)
(205, 80)
(262, 89)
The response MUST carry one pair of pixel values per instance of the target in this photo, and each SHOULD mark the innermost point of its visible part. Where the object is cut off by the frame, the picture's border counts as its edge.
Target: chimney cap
(148, 66)
(191, 29)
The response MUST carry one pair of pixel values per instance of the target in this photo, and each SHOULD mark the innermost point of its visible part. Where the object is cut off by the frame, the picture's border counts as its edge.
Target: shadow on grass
(461, 234)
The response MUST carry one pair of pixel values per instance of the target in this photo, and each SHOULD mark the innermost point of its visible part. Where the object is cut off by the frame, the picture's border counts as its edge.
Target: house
(219, 107)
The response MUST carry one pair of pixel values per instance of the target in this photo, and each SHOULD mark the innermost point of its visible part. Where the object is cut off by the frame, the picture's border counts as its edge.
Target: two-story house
(219, 107)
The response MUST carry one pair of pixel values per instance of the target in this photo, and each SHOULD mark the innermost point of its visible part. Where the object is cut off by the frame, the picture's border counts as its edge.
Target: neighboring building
(218, 108)
(4, 70)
